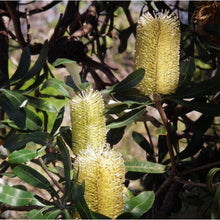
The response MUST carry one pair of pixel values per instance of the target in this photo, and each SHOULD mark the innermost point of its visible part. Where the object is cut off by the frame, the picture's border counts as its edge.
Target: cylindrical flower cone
(157, 51)
(88, 120)
(104, 175)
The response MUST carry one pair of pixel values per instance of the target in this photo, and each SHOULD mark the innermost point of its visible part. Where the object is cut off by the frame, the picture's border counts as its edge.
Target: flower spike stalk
(104, 174)
(157, 51)
(88, 120)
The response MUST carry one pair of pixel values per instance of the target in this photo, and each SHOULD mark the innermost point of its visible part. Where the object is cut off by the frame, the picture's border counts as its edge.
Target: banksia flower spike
(104, 174)
(88, 120)
(157, 51)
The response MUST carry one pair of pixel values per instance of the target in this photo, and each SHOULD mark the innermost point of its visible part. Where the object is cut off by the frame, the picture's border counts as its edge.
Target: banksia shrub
(104, 174)
(157, 51)
(88, 120)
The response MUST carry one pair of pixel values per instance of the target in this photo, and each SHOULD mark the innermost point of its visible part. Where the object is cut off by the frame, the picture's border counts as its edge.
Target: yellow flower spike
(104, 174)
(157, 51)
(88, 120)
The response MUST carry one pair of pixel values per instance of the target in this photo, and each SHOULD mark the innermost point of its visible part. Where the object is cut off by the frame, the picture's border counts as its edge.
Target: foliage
(37, 147)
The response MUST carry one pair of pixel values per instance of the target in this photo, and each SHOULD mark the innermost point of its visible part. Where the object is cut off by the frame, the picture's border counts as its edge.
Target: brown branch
(32, 12)
(158, 104)
(203, 167)
(16, 22)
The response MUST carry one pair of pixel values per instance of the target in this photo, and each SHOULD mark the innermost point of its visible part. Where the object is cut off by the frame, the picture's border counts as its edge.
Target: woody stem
(158, 104)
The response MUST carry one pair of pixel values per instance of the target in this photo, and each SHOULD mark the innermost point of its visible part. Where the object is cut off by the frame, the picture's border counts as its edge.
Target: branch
(16, 22)
(163, 116)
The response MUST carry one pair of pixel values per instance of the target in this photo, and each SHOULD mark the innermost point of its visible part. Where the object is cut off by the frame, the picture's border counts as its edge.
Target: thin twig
(163, 116)
(203, 167)
(150, 139)
(51, 177)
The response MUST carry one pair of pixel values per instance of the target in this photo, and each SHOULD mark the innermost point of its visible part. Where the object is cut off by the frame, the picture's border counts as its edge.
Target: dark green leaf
(143, 143)
(67, 166)
(134, 175)
(215, 214)
(66, 133)
(144, 167)
(39, 80)
(130, 81)
(127, 118)
(207, 108)
(17, 141)
(80, 202)
(114, 135)
(15, 114)
(140, 204)
(15, 197)
(33, 122)
(187, 68)
(21, 156)
(38, 65)
(41, 104)
(162, 148)
(123, 36)
(55, 87)
(39, 214)
(34, 178)
(58, 121)
(96, 215)
(132, 95)
(23, 65)
(196, 142)
(15, 97)
(210, 178)
(207, 87)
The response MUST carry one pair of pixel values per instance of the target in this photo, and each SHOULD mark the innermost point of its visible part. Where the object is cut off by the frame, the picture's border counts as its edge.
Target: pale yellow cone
(88, 120)
(157, 51)
(104, 175)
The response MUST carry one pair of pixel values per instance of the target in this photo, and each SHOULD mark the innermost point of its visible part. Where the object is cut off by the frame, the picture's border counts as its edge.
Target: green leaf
(162, 148)
(114, 135)
(42, 104)
(140, 204)
(132, 95)
(15, 114)
(123, 36)
(187, 68)
(207, 108)
(33, 122)
(40, 214)
(21, 156)
(72, 69)
(207, 87)
(144, 167)
(15, 97)
(34, 178)
(58, 121)
(80, 202)
(15, 197)
(17, 141)
(143, 143)
(210, 177)
(127, 118)
(196, 141)
(38, 65)
(215, 214)
(65, 157)
(66, 134)
(55, 87)
(23, 65)
(130, 81)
